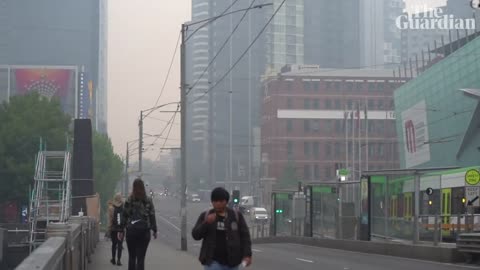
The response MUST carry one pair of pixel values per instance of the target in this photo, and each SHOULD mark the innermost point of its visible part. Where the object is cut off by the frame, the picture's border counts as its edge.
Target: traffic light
(236, 196)
(279, 211)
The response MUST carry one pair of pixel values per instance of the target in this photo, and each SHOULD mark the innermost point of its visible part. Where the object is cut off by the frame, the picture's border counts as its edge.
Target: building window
(328, 104)
(359, 86)
(306, 125)
(338, 105)
(380, 86)
(316, 104)
(329, 125)
(329, 85)
(306, 104)
(307, 172)
(380, 105)
(381, 150)
(316, 86)
(338, 150)
(316, 150)
(349, 104)
(371, 86)
(381, 127)
(328, 172)
(337, 85)
(307, 86)
(289, 86)
(371, 126)
(371, 104)
(349, 86)
(316, 172)
(371, 150)
(338, 126)
(315, 125)
(328, 150)
(290, 149)
(306, 150)
(289, 125)
(289, 103)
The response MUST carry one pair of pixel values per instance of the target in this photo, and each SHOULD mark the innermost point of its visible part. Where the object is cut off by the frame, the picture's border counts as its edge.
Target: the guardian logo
(427, 18)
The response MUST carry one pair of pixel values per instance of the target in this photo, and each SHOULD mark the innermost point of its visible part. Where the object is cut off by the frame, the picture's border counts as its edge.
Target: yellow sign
(472, 177)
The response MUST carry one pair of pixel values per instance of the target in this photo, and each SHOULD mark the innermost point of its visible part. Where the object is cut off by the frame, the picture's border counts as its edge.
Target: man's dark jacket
(239, 244)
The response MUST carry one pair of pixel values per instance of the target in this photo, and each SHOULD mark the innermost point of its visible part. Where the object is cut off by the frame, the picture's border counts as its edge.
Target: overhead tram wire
(170, 122)
(243, 54)
(168, 74)
(190, 88)
(166, 139)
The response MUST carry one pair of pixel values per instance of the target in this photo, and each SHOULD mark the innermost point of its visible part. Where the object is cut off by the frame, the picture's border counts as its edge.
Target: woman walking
(139, 220)
(115, 212)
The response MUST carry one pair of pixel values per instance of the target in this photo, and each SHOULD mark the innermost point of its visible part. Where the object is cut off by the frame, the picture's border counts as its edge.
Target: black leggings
(117, 245)
(137, 244)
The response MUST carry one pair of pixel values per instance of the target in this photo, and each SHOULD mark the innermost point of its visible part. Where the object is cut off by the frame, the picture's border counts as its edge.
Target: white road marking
(399, 258)
(256, 250)
(170, 223)
(303, 260)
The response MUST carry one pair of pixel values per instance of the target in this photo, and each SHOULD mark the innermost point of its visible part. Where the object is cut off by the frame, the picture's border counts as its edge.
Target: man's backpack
(117, 217)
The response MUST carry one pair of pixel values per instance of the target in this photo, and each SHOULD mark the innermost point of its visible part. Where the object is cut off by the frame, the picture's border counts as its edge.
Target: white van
(247, 201)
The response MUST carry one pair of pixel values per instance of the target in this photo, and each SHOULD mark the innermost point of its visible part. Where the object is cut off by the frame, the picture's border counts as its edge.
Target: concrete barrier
(428, 253)
(68, 246)
(50, 255)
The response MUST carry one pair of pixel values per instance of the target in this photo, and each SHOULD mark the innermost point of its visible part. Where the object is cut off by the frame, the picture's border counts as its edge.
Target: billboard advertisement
(85, 87)
(415, 134)
(50, 83)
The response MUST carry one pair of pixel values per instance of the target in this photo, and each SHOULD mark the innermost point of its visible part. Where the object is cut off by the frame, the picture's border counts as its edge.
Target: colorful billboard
(415, 135)
(48, 82)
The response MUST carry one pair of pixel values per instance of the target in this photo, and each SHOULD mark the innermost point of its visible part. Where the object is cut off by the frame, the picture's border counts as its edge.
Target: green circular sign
(472, 177)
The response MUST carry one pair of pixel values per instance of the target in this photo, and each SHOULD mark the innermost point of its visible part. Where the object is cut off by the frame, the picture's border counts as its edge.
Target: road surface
(287, 256)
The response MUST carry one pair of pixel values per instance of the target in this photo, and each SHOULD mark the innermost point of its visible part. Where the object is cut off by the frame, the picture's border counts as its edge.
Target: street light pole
(183, 127)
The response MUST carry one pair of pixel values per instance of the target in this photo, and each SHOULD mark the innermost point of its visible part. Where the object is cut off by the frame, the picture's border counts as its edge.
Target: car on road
(259, 214)
(195, 198)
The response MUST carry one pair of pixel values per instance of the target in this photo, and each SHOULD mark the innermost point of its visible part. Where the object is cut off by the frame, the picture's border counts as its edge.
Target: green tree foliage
(289, 178)
(107, 168)
(23, 121)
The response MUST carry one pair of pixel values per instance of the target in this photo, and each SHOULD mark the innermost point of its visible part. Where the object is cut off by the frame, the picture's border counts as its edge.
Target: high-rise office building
(45, 41)
(352, 34)
(285, 36)
(223, 106)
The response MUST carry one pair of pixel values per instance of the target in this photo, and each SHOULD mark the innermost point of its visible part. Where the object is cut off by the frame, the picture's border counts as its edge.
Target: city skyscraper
(33, 41)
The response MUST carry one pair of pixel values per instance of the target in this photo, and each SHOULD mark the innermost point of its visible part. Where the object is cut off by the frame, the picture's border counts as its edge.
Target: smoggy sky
(142, 38)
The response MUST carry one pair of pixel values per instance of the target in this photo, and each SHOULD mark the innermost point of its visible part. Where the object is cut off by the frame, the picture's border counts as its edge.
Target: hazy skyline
(142, 38)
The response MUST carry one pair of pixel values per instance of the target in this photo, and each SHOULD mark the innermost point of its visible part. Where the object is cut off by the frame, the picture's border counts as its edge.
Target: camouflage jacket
(146, 209)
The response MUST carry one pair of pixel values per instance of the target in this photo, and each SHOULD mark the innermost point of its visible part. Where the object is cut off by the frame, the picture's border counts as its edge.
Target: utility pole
(183, 127)
(183, 112)
(140, 143)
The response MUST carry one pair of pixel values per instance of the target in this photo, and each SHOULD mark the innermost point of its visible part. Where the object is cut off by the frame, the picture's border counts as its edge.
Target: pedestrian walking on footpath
(139, 220)
(225, 235)
(115, 212)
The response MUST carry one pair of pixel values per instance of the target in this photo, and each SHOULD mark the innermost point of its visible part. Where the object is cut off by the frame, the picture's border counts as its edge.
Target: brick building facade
(309, 114)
